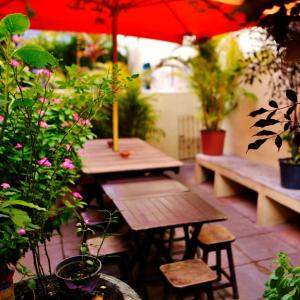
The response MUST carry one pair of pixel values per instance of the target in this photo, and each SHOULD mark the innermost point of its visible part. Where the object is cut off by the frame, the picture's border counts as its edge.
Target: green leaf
(36, 56)
(3, 32)
(16, 23)
(20, 202)
(18, 216)
(20, 103)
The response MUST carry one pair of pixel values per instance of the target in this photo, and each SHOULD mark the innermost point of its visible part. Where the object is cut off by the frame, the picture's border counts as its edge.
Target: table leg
(142, 257)
(192, 243)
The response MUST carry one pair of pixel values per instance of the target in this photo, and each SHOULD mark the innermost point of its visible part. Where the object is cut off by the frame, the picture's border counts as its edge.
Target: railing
(188, 137)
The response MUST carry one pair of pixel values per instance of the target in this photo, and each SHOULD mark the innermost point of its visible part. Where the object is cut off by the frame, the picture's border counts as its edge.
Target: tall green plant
(137, 117)
(215, 78)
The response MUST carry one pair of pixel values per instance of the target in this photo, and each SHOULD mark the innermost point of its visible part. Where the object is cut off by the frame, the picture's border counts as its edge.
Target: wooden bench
(232, 173)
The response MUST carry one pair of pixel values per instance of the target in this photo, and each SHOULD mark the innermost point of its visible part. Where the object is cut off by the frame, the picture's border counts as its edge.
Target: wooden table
(99, 158)
(141, 186)
(154, 213)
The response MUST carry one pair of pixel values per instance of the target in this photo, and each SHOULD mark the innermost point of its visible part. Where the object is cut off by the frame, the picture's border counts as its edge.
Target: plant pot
(109, 288)
(74, 274)
(212, 141)
(289, 174)
(6, 283)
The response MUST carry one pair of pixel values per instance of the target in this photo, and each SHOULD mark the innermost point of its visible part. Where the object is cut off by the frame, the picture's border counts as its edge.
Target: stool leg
(205, 256)
(209, 292)
(218, 264)
(232, 273)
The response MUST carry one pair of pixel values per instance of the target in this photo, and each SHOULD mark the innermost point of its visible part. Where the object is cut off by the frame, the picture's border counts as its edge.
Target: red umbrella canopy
(158, 19)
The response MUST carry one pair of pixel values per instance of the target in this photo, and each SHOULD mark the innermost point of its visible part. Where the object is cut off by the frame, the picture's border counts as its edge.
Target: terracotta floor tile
(262, 246)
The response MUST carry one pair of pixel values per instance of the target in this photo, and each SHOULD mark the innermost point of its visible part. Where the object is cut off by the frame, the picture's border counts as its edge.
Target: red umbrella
(168, 20)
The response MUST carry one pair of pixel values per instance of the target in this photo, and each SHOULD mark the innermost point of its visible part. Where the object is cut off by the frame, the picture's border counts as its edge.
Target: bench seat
(232, 173)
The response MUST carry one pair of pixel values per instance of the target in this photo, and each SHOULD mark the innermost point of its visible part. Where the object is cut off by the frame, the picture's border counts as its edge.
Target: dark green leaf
(279, 271)
(265, 132)
(291, 95)
(278, 143)
(286, 126)
(296, 139)
(20, 103)
(258, 112)
(291, 109)
(263, 123)
(36, 56)
(255, 145)
(16, 23)
(273, 103)
(270, 115)
(287, 117)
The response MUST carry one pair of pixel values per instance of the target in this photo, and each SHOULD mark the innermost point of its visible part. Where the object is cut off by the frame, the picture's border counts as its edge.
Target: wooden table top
(99, 158)
(168, 210)
(141, 186)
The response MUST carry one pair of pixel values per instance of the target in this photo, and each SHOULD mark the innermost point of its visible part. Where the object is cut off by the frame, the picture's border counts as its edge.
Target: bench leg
(200, 174)
(224, 187)
(269, 212)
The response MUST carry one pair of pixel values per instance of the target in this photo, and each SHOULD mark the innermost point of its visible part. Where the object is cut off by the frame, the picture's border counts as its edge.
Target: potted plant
(215, 78)
(41, 130)
(284, 281)
(79, 275)
(282, 123)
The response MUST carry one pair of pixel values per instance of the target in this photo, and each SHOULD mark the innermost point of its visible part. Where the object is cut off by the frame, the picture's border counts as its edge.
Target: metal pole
(115, 113)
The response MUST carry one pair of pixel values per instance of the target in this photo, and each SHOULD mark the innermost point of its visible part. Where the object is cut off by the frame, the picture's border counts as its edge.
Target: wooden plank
(139, 186)
(99, 158)
(169, 210)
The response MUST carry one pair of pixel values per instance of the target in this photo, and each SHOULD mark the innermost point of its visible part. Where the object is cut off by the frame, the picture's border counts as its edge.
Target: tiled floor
(254, 248)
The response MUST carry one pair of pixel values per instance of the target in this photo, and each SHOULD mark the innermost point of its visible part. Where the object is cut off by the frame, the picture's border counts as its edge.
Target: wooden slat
(188, 273)
(99, 158)
(139, 186)
(169, 210)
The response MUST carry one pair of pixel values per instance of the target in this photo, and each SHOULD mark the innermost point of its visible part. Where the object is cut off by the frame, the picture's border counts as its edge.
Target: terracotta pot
(6, 283)
(289, 174)
(212, 141)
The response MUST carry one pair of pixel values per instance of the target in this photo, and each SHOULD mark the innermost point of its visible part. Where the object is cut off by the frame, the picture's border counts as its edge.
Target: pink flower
(43, 124)
(41, 113)
(19, 146)
(43, 100)
(21, 231)
(85, 122)
(68, 147)
(16, 39)
(44, 72)
(44, 162)
(56, 101)
(64, 124)
(76, 117)
(14, 63)
(68, 164)
(5, 185)
(1, 119)
(77, 195)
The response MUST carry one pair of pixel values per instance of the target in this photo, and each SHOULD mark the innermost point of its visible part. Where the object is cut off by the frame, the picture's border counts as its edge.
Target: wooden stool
(189, 275)
(114, 245)
(215, 238)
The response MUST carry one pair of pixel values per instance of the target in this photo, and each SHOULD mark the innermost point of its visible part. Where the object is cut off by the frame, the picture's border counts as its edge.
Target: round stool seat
(215, 234)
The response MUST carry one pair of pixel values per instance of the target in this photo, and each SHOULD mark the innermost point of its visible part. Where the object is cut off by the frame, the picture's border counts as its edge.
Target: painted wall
(170, 106)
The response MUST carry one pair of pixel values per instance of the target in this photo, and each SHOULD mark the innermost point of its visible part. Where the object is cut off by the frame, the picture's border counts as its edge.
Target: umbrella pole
(115, 113)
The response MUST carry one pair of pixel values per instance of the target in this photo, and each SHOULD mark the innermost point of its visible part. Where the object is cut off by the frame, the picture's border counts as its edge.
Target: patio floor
(254, 249)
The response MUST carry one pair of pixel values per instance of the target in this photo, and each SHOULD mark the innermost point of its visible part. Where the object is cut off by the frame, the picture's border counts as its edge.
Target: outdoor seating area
(149, 150)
